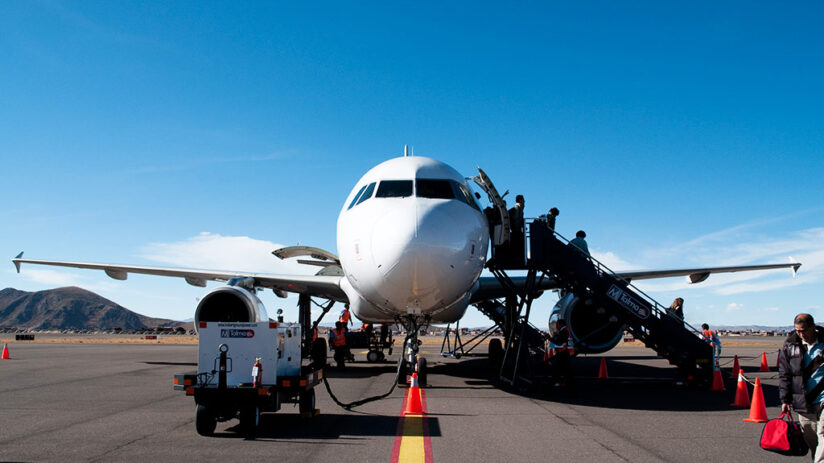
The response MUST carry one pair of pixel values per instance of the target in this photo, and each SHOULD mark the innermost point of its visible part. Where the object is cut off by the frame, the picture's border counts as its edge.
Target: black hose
(358, 403)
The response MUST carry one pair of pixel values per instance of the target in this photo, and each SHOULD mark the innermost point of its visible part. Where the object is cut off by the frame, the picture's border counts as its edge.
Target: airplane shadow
(185, 364)
(629, 386)
(345, 429)
(360, 370)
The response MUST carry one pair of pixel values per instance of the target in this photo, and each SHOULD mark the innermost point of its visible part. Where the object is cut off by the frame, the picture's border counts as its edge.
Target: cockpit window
(463, 193)
(394, 189)
(367, 193)
(439, 189)
(355, 199)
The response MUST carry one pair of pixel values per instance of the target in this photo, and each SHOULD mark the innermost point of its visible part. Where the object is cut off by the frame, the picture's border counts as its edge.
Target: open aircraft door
(500, 233)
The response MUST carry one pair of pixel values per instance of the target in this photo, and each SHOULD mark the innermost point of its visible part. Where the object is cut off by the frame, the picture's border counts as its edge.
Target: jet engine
(230, 304)
(592, 329)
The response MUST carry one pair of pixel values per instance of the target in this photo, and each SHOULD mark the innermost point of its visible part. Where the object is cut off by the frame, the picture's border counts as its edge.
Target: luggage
(783, 435)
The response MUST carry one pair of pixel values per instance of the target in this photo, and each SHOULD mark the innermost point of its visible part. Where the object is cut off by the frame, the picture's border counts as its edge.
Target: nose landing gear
(413, 361)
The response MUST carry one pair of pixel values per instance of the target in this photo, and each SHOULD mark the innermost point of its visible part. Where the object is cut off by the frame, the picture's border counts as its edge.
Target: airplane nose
(418, 253)
(394, 243)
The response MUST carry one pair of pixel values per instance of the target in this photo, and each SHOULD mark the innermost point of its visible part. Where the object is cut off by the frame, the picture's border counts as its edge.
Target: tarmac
(115, 402)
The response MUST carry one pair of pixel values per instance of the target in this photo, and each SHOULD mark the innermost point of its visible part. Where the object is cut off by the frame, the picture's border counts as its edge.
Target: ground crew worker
(384, 334)
(712, 338)
(367, 328)
(345, 317)
(339, 344)
(801, 380)
(562, 360)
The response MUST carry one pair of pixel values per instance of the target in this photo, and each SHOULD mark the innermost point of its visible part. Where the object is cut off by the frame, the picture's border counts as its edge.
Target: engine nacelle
(230, 304)
(592, 329)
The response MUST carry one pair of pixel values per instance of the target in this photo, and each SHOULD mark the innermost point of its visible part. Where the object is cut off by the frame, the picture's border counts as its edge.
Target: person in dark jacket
(562, 360)
(551, 217)
(517, 239)
(801, 380)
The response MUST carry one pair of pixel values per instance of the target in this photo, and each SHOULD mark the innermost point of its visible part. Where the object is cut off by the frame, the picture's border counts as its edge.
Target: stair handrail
(656, 307)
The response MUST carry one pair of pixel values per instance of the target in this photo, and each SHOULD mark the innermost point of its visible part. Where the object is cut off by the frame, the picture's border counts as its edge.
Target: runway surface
(115, 402)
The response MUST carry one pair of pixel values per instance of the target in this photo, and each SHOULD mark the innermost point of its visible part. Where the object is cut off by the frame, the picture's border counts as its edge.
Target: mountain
(69, 308)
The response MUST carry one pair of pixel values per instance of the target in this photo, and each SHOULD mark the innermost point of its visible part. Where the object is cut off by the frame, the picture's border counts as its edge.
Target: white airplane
(412, 244)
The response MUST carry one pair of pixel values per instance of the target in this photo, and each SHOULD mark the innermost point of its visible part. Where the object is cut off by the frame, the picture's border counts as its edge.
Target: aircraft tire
(205, 421)
(402, 376)
(496, 353)
(319, 350)
(250, 419)
(373, 356)
(422, 371)
(306, 401)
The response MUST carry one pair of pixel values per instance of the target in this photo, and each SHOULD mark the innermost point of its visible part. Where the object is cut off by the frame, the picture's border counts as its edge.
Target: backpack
(783, 435)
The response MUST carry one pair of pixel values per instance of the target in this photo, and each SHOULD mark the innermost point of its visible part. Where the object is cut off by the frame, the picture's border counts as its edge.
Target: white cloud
(733, 306)
(732, 247)
(217, 252)
(51, 277)
(615, 263)
(771, 309)
(57, 278)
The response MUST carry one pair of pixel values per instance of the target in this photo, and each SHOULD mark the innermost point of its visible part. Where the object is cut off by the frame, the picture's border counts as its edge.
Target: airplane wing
(491, 288)
(697, 275)
(325, 286)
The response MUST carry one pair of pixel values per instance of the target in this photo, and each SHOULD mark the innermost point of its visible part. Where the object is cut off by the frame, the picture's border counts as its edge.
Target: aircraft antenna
(405, 150)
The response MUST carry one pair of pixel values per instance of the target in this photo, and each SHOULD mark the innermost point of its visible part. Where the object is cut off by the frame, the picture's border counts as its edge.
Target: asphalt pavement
(115, 402)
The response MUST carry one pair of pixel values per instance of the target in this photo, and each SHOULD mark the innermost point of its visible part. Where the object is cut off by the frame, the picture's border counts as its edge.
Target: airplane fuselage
(412, 241)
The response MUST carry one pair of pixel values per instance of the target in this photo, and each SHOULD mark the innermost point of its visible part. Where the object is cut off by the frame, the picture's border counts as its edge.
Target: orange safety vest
(344, 316)
(338, 338)
(707, 335)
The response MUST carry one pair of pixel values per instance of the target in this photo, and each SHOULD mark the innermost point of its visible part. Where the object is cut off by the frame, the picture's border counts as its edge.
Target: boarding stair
(523, 342)
(669, 336)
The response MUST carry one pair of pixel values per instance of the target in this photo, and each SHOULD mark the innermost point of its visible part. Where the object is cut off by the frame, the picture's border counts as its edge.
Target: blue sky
(204, 134)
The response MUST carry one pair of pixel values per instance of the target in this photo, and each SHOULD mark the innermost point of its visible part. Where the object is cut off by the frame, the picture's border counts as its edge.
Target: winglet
(795, 267)
(16, 262)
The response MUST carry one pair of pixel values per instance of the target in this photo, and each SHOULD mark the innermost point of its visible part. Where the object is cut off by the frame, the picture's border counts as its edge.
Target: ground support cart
(245, 369)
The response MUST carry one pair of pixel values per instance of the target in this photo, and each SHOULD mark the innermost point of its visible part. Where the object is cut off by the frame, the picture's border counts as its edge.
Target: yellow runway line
(412, 442)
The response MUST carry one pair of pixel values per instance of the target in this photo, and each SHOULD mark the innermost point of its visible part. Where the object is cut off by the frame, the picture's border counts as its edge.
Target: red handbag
(783, 435)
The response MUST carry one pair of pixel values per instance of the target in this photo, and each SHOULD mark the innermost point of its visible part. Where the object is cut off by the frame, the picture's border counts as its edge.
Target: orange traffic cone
(602, 372)
(717, 380)
(736, 367)
(742, 395)
(758, 410)
(6, 351)
(764, 366)
(778, 360)
(413, 400)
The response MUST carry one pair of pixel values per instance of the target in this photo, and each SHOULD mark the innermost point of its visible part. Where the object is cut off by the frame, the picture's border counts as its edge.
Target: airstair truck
(245, 369)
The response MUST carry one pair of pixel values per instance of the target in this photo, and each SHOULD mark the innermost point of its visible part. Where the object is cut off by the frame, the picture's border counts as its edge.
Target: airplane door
(500, 234)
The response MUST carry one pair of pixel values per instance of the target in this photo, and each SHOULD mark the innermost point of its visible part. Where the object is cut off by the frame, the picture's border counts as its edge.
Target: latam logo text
(237, 333)
(618, 295)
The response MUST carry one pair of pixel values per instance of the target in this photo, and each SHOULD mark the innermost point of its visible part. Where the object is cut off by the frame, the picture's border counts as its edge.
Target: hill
(69, 308)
